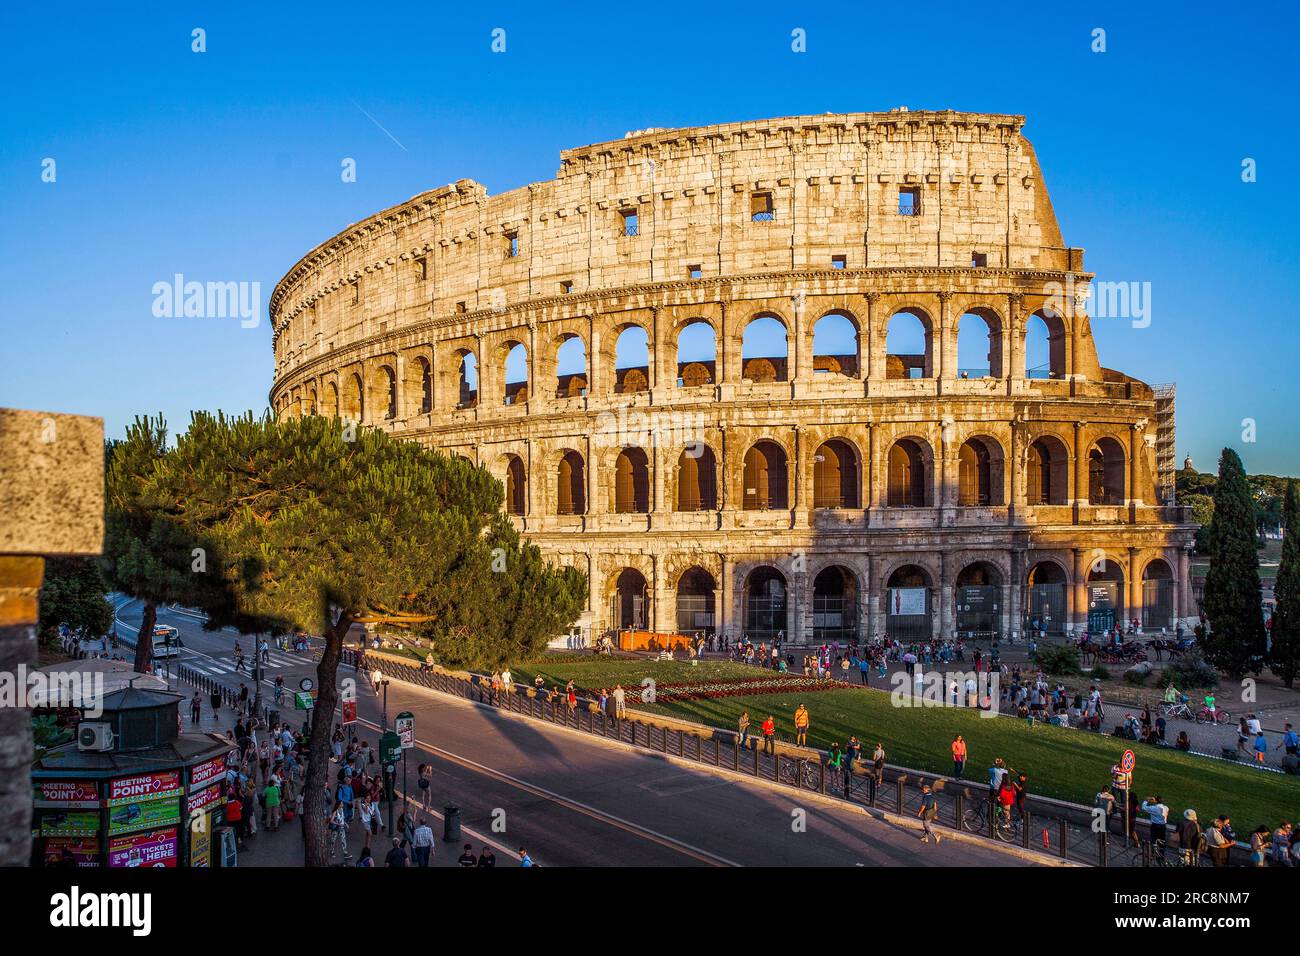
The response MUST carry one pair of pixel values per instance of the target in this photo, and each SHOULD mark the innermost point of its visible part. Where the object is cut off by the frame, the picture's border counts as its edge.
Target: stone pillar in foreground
(51, 503)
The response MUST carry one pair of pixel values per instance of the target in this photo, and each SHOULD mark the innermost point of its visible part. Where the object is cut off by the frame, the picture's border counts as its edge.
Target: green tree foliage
(146, 554)
(74, 593)
(1235, 641)
(315, 525)
(1284, 654)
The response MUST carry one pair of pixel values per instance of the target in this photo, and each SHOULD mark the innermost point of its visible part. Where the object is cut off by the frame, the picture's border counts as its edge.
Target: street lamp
(378, 680)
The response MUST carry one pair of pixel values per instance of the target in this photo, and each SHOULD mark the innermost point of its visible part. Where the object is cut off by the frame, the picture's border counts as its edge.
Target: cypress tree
(1284, 654)
(1235, 641)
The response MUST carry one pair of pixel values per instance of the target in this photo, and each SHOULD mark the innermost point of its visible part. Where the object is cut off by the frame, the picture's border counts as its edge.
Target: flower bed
(735, 687)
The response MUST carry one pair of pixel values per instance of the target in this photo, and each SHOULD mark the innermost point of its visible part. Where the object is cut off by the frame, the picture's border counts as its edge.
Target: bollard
(451, 824)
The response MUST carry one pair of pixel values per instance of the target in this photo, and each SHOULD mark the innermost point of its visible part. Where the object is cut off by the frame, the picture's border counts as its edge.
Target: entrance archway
(908, 604)
(695, 602)
(1046, 598)
(1157, 596)
(978, 597)
(835, 606)
(765, 605)
(630, 601)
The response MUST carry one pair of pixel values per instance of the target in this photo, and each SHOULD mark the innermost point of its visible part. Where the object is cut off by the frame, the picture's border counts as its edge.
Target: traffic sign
(405, 725)
(1127, 761)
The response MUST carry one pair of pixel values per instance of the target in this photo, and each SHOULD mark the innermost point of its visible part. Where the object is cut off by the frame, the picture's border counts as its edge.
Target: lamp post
(378, 680)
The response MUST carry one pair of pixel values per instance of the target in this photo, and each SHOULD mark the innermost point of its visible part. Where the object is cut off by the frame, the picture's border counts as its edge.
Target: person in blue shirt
(1290, 742)
(524, 858)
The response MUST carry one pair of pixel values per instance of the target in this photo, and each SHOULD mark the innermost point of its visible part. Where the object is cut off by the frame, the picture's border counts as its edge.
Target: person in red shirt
(769, 735)
(958, 755)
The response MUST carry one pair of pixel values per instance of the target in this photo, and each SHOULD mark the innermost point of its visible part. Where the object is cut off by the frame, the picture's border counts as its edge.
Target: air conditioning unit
(95, 735)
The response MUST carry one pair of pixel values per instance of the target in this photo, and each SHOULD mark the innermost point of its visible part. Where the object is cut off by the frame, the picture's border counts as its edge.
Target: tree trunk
(317, 789)
(144, 640)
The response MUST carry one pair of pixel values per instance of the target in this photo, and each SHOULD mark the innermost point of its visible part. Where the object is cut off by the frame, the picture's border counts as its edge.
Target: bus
(166, 641)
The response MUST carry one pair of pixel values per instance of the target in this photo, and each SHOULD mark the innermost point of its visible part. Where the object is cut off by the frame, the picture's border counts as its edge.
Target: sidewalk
(284, 847)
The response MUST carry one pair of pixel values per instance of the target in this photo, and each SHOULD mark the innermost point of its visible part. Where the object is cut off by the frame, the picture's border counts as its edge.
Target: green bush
(1059, 660)
(1191, 670)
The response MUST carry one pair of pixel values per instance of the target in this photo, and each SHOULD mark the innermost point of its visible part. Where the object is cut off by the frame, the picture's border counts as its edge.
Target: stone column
(1080, 452)
(874, 356)
(1134, 496)
(1012, 593)
(946, 576)
(1184, 605)
(946, 350)
(1018, 503)
(875, 595)
(52, 502)
(1014, 348)
(1133, 584)
(1078, 591)
(801, 468)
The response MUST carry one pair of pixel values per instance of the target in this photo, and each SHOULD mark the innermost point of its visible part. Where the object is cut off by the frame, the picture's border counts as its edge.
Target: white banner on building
(904, 601)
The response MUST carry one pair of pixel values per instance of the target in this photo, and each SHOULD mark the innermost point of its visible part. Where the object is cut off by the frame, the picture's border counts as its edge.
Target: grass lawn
(1063, 763)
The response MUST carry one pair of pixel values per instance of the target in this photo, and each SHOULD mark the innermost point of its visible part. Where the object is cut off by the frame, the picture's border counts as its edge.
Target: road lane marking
(636, 829)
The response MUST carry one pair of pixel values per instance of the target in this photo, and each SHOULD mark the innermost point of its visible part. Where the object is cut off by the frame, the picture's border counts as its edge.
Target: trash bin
(451, 824)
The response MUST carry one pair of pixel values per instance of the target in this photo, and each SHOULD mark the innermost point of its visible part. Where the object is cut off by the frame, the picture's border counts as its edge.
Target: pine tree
(1235, 641)
(1284, 654)
(315, 525)
(74, 593)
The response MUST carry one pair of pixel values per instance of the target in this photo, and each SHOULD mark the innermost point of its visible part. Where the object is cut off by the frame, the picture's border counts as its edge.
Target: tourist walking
(928, 812)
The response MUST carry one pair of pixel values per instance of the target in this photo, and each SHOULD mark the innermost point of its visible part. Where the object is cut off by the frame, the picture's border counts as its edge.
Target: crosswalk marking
(214, 667)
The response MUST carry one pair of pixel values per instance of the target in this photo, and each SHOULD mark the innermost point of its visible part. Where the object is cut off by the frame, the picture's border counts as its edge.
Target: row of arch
(837, 471)
(767, 606)
(909, 352)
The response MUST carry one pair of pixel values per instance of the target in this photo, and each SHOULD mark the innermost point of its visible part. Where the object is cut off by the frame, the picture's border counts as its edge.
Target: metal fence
(1051, 828)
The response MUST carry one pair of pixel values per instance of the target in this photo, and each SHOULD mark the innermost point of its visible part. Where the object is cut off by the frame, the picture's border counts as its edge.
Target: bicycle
(1006, 826)
(1180, 710)
(1204, 716)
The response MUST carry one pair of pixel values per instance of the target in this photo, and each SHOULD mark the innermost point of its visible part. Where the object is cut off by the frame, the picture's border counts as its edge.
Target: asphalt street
(576, 800)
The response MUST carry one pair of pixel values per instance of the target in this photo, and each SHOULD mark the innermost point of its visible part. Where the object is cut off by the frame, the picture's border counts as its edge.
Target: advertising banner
(147, 815)
(349, 712)
(149, 786)
(67, 794)
(201, 841)
(206, 773)
(152, 848)
(906, 601)
(203, 800)
(68, 823)
(83, 851)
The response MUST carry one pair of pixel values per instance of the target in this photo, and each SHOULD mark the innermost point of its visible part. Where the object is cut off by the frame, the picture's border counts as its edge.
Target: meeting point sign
(148, 786)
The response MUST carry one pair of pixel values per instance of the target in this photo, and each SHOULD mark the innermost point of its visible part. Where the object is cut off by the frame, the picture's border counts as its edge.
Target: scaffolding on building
(1166, 454)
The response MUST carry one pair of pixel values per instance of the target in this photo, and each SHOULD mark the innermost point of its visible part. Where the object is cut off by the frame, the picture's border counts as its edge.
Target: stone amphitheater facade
(803, 495)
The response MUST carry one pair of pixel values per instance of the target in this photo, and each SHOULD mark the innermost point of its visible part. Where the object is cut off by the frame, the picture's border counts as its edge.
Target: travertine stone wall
(374, 325)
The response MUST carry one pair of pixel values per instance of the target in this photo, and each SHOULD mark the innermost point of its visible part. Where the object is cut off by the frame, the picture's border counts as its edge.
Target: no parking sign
(1127, 761)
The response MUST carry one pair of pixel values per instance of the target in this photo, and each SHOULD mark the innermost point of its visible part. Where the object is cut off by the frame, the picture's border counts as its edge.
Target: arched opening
(978, 596)
(765, 477)
(765, 605)
(836, 479)
(1045, 342)
(909, 484)
(630, 601)
(980, 473)
(631, 482)
(908, 345)
(571, 485)
(979, 345)
(1157, 596)
(632, 360)
(516, 373)
(354, 404)
(419, 385)
(697, 354)
(1106, 473)
(571, 367)
(695, 602)
(908, 604)
(1046, 598)
(1105, 596)
(764, 350)
(313, 404)
(332, 400)
(466, 379)
(516, 486)
(697, 481)
(1047, 476)
(835, 346)
(835, 606)
(384, 395)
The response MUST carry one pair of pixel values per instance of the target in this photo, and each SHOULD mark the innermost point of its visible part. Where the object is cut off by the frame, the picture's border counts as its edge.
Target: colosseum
(813, 378)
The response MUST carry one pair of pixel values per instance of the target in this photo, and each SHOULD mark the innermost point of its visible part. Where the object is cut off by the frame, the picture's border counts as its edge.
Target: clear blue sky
(225, 165)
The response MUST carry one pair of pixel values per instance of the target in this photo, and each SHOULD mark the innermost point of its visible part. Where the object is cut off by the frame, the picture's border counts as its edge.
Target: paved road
(574, 800)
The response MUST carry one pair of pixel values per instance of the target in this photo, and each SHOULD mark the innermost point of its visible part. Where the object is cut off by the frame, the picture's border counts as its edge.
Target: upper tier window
(761, 207)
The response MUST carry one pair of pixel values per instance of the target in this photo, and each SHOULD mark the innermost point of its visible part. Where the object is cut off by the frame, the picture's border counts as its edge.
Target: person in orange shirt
(801, 726)
(958, 755)
(769, 735)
